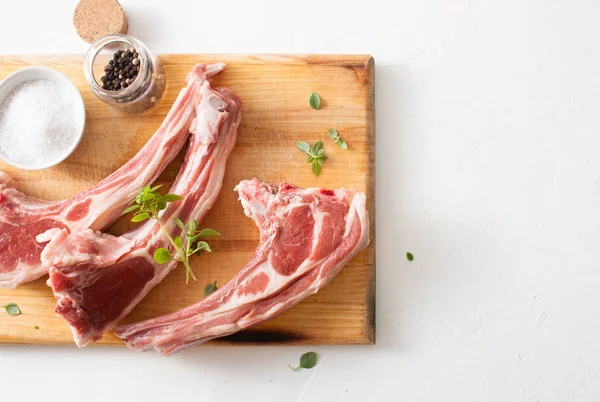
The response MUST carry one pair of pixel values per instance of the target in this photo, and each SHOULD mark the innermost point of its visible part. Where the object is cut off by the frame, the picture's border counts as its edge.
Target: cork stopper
(94, 19)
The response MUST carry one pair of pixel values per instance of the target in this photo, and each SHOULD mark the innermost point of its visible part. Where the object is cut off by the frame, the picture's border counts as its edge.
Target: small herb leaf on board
(12, 309)
(315, 101)
(303, 146)
(335, 136)
(316, 155)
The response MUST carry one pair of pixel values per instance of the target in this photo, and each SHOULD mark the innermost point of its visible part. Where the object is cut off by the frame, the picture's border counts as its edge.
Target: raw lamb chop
(306, 237)
(22, 218)
(98, 278)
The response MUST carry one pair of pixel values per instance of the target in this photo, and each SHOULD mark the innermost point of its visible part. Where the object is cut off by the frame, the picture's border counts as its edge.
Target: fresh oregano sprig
(147, 205)
(335, 136)
(316, 155)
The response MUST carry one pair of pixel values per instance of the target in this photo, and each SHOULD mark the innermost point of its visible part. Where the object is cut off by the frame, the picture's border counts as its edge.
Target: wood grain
(274, 91)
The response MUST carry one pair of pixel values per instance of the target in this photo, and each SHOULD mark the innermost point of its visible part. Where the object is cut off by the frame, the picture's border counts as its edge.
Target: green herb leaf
(318, 147)
(193, 238)
(202, 246)
(409, 256)
(36, 327)
(130, 209)
(316, 168)
(316, 155)
(315, 101)
(160, 205)
(147, 196)
(162, 255)
(171, 198)
(179, 223)
(307, 361)
(208, 233)
(303, 146)
(140, 216)
(12, 309)
(148, 204)
(140, 195)
(335, 136)
(210, 288)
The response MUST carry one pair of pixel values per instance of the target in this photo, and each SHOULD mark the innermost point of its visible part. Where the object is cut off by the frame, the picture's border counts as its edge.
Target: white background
(488, 170)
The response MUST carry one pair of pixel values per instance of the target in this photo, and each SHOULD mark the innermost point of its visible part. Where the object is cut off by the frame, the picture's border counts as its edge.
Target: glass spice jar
(143, 92)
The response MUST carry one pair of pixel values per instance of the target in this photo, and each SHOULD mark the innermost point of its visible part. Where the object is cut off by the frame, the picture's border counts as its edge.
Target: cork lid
(94, 19)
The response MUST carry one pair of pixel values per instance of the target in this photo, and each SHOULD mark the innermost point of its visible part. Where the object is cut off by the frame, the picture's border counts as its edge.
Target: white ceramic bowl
(44, 73)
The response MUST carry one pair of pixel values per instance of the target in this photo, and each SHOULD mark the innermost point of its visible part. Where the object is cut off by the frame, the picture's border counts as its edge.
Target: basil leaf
(130, 209)
(210, 288)
(177, 241)
(303, 146)
(332, 133)
(142, 216)
(409, 256)
(179, 223)
(208, 233)
(162, 255)
(307, 361)
(193, 225)
(342, 144)
(171, 198)
(153, 189)
(12, 309)
(315, 101)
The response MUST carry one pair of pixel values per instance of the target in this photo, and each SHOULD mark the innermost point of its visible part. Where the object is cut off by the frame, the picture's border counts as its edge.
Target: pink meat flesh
(23, 218)
(306, 237)
(98, 278)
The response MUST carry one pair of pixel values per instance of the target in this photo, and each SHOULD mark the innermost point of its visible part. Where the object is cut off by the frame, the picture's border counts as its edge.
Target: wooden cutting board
(275, 114)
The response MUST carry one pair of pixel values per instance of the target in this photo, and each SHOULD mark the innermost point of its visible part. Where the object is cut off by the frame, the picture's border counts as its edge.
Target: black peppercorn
(121, 70)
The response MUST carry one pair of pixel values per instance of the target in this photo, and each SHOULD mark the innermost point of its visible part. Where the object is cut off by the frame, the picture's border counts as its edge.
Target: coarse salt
(39, 123)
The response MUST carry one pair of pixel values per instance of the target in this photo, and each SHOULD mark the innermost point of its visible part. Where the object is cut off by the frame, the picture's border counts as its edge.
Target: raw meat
(22, 218)
(306, 237)
(98, 278)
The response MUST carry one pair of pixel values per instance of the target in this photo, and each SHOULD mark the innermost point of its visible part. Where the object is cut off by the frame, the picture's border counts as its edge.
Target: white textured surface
(488, 156)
